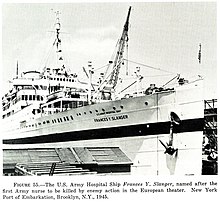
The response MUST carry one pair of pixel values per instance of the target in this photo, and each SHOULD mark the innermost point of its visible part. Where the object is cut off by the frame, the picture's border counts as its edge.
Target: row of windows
(29, 97)
(24, 97)
(8, 114)
(62, 79)
(66, 118)
(60, 120)
(32, 97)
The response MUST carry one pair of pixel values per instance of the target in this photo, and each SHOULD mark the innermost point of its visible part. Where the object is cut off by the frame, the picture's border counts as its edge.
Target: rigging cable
(177, 76)
(148, 66)
(100, 68)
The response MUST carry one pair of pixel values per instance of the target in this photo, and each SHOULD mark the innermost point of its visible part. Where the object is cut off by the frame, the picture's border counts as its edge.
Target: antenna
(200, 53)
(17, 70)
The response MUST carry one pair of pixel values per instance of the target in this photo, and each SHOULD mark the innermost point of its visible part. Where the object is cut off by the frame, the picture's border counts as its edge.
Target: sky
(161, 35)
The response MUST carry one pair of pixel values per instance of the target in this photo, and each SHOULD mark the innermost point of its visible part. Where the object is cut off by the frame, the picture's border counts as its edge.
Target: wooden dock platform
(65, 161)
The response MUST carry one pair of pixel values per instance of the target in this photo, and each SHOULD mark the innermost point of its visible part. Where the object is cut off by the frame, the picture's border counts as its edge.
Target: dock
(65, 161)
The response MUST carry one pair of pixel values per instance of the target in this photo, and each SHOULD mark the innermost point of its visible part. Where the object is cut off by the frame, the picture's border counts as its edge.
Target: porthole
(71, 117)
(114, 108)
(121, 107)
(84, 112)
(67, 118)
(146, 103)
(96, 110)
(90, 112)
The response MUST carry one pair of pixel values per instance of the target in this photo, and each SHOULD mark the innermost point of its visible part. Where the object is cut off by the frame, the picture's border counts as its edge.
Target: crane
(109, 83)
(119, 55)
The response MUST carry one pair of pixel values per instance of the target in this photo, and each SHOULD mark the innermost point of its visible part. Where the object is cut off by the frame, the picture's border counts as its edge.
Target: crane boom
(119, 55)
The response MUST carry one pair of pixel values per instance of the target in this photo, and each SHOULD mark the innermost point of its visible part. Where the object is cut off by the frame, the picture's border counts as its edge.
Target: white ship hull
(135, 125)
(150, 114)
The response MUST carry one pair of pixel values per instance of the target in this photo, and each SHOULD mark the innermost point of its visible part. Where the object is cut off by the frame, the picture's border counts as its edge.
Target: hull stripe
(115, 132)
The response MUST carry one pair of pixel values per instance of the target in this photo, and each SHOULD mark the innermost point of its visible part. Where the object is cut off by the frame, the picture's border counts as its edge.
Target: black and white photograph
(109, 89)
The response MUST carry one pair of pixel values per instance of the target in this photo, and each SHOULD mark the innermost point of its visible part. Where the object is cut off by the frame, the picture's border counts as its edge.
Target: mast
(57, 42)
(90, 82)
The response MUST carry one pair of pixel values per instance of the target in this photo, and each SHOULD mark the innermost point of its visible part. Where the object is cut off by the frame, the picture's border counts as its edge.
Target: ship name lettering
(101, 119)
(112, 118)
